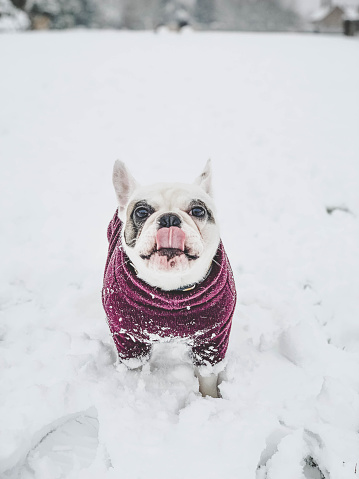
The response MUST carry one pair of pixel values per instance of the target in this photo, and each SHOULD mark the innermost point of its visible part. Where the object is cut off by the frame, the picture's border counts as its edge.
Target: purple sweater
(139, 315)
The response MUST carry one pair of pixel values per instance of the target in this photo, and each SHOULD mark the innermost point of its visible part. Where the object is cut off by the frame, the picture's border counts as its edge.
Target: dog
(167, 276)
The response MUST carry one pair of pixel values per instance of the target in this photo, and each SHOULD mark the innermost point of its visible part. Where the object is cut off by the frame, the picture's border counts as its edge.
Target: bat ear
(205, 179)
(124, 183)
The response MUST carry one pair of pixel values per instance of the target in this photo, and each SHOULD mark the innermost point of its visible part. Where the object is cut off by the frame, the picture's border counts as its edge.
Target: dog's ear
(123, 182)
(205, 179)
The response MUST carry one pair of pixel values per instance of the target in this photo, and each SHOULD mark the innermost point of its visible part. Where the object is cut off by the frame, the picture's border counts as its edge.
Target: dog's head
(169, 230)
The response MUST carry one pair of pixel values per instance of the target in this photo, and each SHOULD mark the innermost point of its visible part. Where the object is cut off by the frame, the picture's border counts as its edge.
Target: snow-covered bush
(59, 14)
(12, 18)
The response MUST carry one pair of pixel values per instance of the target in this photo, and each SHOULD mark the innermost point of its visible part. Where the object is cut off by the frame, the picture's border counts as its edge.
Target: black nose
(168, 220)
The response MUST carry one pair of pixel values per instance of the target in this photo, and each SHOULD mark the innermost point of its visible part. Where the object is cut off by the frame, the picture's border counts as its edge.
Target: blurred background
(242, 15)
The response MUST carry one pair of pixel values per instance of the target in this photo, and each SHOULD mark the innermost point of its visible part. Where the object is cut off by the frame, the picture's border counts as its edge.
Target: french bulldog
(167, 275)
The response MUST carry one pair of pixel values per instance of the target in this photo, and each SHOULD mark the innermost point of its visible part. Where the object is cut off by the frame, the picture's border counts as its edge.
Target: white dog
(167, 275)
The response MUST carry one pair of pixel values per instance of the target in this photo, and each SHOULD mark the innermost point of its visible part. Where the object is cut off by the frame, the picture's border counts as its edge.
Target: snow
(351, 13)
(321, 13)
(278, 115)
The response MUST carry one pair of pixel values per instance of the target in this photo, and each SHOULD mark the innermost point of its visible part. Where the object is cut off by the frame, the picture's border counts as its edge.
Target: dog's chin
(169, 260)
(170, 269)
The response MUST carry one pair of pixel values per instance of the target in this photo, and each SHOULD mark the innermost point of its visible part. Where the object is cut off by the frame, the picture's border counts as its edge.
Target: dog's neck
(188, 287)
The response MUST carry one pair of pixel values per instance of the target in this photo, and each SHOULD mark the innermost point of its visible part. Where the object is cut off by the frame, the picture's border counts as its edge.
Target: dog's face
(170, 232)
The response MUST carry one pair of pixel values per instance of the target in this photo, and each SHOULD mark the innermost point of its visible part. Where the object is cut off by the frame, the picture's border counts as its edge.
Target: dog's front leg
(208, 385)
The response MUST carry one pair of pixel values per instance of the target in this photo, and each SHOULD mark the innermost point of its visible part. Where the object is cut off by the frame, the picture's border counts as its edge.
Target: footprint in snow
(65, 446)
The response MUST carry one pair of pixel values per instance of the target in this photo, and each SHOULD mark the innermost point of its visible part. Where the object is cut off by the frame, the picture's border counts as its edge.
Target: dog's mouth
(170, 253)
(170, 243)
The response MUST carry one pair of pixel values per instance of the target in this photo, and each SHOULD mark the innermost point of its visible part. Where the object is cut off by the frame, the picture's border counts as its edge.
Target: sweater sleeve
(131, 352)
(210, 350)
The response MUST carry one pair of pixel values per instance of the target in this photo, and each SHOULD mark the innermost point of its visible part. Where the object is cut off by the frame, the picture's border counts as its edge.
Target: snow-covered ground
(279, 116)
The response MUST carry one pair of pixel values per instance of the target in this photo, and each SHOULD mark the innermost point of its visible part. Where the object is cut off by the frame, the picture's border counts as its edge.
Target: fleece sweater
(139, 315)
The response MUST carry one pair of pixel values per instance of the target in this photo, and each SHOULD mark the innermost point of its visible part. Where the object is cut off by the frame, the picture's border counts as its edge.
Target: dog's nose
(168, 220)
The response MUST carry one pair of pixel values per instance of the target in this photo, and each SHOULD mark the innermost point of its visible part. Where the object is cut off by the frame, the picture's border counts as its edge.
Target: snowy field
(279, 116)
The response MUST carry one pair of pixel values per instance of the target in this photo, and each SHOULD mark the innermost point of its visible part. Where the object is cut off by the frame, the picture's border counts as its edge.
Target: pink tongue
(172, 237)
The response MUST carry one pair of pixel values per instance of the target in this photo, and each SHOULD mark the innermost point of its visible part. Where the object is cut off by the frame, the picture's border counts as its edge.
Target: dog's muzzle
(170, 238)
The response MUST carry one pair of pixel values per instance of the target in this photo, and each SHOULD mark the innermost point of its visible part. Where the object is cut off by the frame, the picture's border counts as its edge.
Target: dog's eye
(198, 211)
(142, 213)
